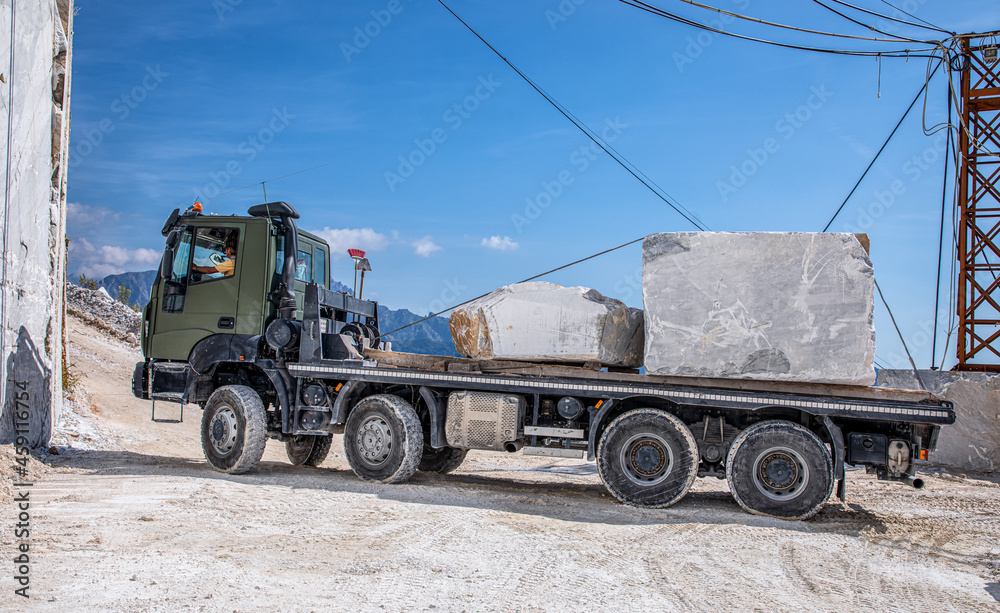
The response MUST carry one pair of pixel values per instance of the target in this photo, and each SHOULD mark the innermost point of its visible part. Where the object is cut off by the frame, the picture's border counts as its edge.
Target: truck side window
(182, 257)
(320, 271)
(176, 285)
(215, 253)
(303, 266)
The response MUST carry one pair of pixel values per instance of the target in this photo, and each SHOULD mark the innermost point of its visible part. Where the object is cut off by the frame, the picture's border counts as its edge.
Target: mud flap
(837, 442)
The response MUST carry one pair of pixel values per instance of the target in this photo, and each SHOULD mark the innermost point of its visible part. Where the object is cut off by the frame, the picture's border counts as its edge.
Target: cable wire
(944, 204)
(916, 25)
(788, 27)
(266, 181)
(913, 364)
(624, 163)
(865, 25)
(907, 53)
(548, 272)
(881, 149)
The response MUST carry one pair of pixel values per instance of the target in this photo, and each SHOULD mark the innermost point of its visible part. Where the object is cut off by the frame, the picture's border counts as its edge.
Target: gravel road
(129, 517)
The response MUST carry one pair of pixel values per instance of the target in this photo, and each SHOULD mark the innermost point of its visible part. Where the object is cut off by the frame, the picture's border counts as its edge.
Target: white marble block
(759, 305)
(545, 322)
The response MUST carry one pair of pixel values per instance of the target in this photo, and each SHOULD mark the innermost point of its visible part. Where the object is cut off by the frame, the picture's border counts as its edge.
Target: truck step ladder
(166, 421)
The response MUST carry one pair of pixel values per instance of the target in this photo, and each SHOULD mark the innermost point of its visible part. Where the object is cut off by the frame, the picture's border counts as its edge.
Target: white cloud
(99, 262)
(84, 216)
(426, 246)
(501, 243)
(342, 239)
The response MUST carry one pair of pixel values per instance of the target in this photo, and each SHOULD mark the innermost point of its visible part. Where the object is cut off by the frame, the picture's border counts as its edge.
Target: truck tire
(234, 429)
(442, 460)
(321, 449)
(779, 469)
(308, 449)
(383, 439)
(647, 458)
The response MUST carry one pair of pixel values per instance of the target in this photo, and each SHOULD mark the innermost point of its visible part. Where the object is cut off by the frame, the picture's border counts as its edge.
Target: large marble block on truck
(545, 322)
(759, 305)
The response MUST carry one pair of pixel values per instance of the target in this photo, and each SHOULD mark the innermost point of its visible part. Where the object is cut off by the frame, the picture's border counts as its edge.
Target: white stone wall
(973, 442)
(35, 61)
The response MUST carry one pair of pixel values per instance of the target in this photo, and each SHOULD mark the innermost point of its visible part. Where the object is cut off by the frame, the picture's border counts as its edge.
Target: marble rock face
(544, 322)
(759, 305)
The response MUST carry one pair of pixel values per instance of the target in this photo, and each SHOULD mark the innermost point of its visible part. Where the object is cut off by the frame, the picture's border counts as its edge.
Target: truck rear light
(923, 454)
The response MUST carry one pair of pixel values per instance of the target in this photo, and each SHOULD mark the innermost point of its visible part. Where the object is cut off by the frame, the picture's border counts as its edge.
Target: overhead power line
(538, 276)
(913, 365)
(865, 25)
(944, 207)
(929, 25)
(882, 148)
(265, 181)
(901, 53)
(617, 157)
(788, 27)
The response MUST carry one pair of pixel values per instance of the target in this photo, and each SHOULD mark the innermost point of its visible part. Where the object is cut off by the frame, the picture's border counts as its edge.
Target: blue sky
(458, 178)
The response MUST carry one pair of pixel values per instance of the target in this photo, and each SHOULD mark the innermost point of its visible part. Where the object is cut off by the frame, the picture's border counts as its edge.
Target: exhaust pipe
(916, 482)
(513, 446)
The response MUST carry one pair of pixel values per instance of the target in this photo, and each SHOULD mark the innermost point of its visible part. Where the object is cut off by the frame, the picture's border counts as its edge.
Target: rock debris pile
(97, 309)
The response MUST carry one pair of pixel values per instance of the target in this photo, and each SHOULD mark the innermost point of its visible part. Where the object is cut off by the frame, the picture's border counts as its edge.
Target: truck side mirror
(166, 263)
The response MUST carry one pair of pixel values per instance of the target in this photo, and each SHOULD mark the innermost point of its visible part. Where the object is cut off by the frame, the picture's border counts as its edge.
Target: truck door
(200, 297)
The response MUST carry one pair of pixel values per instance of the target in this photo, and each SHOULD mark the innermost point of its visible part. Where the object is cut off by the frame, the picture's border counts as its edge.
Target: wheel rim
(374, 441)
(222, 430)
(646, 459)
(780, 473)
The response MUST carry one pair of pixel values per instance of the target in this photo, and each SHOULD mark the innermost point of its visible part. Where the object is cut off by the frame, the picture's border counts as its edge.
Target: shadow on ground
(576, 502)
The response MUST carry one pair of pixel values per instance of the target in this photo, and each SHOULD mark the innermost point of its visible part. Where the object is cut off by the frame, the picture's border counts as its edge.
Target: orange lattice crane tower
(979, 207)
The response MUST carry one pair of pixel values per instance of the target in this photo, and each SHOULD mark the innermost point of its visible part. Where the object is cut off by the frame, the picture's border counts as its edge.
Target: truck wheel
(442, 460)
(647, 458)
(321, 449)
(383, 440)
(779, 469)
(234, 429)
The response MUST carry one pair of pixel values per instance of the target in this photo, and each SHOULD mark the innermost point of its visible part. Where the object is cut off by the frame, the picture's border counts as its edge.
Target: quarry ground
(129, 517)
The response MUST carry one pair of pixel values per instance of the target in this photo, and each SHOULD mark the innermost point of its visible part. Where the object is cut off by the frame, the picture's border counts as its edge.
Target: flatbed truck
(267, 350)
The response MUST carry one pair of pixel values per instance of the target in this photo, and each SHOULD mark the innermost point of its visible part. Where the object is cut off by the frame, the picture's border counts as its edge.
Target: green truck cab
(226, 309)
(189, 304)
